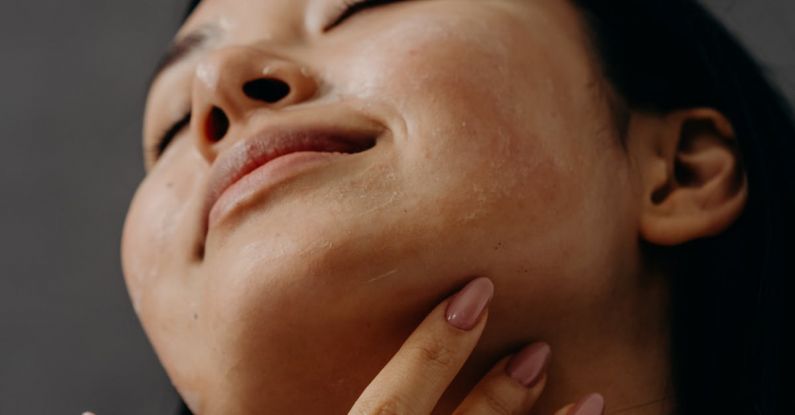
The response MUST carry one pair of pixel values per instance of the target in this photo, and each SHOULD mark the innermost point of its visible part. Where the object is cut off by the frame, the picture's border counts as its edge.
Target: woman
(604, 182)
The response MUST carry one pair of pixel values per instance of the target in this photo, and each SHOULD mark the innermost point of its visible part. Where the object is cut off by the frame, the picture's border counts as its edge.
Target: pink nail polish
(529, 364)
(593, 404)
(465, 309)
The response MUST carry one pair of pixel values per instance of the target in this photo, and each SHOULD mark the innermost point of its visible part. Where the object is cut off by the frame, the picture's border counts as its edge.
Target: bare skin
(497, 156)
(419, 373)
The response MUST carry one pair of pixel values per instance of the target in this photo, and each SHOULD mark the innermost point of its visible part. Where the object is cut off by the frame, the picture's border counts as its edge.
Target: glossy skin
(499, 157)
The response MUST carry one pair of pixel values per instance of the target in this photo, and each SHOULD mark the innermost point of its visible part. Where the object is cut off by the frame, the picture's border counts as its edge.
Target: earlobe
(695, 185)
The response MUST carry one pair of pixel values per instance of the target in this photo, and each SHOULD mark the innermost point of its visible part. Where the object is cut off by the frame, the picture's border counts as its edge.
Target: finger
(566, 410)
(593, 404)
(415, 378)
(512, 386)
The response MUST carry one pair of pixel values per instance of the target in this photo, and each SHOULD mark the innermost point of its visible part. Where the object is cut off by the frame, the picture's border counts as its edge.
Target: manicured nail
(465, 309)
(593, 404)
(529, 364)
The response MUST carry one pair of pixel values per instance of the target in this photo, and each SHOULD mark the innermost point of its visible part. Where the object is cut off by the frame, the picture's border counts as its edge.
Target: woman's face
(494, 156)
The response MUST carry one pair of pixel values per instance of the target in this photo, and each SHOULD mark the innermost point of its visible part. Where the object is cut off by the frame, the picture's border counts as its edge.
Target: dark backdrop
(72, 78)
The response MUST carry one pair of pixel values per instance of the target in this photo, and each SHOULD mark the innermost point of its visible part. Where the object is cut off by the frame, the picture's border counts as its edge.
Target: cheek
(478, 96)
(427, 58)
(510, 155)
(157, 237)
(148, 231)
(158, 223)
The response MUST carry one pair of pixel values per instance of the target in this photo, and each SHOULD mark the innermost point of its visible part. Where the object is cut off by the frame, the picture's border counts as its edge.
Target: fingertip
(593, 404)
(529, 365)
(566, 410)
(466, 308)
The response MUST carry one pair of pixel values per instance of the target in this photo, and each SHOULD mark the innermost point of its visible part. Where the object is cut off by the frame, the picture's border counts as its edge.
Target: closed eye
(159, 147)
(351, 7)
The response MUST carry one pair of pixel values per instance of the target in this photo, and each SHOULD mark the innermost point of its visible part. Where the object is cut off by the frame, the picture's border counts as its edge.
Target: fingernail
(527, 366)
(593, 404)
(465, 309)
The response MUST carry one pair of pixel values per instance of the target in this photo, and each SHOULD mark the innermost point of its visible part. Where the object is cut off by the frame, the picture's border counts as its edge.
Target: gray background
(72, 82)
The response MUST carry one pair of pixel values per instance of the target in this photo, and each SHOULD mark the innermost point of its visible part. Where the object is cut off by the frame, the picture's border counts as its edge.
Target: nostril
(217, 125)
(269, 90)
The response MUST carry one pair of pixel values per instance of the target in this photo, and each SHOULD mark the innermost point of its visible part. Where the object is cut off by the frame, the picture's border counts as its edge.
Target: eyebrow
(180, 49)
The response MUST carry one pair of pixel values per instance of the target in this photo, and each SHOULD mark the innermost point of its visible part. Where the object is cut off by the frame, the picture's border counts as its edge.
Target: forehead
(278, 16)
(228, 15)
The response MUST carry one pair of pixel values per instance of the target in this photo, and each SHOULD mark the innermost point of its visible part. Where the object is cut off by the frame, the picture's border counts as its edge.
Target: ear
(693, 182)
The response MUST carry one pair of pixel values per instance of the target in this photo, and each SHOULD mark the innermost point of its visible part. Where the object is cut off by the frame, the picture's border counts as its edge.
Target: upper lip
(347, 134)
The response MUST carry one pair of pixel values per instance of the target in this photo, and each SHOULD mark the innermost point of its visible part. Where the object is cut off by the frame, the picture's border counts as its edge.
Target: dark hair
(730, 310)
(191, 6)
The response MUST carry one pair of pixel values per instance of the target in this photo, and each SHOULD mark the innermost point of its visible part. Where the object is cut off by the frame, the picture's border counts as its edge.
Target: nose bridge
(231, 82)
(219, 76)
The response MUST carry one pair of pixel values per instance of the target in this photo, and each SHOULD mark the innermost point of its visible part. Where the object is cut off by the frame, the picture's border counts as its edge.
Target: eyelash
(350, 7)
(165, 139)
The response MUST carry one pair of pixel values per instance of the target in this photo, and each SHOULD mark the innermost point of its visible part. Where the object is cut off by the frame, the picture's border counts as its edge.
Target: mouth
(263, 160)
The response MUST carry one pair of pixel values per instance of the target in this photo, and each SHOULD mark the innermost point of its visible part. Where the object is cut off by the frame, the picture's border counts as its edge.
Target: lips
(276, 141)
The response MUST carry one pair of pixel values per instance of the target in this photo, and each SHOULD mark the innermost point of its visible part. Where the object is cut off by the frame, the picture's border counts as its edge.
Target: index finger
(415, 378)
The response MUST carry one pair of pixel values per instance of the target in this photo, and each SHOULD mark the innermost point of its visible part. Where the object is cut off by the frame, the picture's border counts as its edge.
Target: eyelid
(162, 142)
(342, 11)
(348, 8)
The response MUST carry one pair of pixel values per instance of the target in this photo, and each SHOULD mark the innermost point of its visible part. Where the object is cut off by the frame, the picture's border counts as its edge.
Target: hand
(417, 376)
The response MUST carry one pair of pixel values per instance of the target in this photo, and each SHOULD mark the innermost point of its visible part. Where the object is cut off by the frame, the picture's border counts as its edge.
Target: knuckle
(496, 402)
(387, 406)
(435, 353)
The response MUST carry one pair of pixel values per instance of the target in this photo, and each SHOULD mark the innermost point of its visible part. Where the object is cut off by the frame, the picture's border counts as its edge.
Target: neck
(621, 351)
(630, 369)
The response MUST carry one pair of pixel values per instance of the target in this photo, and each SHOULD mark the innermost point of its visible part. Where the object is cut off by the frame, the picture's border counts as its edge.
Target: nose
(232, 82)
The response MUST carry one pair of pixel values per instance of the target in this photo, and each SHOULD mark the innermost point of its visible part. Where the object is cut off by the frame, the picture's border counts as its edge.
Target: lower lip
(266, 177)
